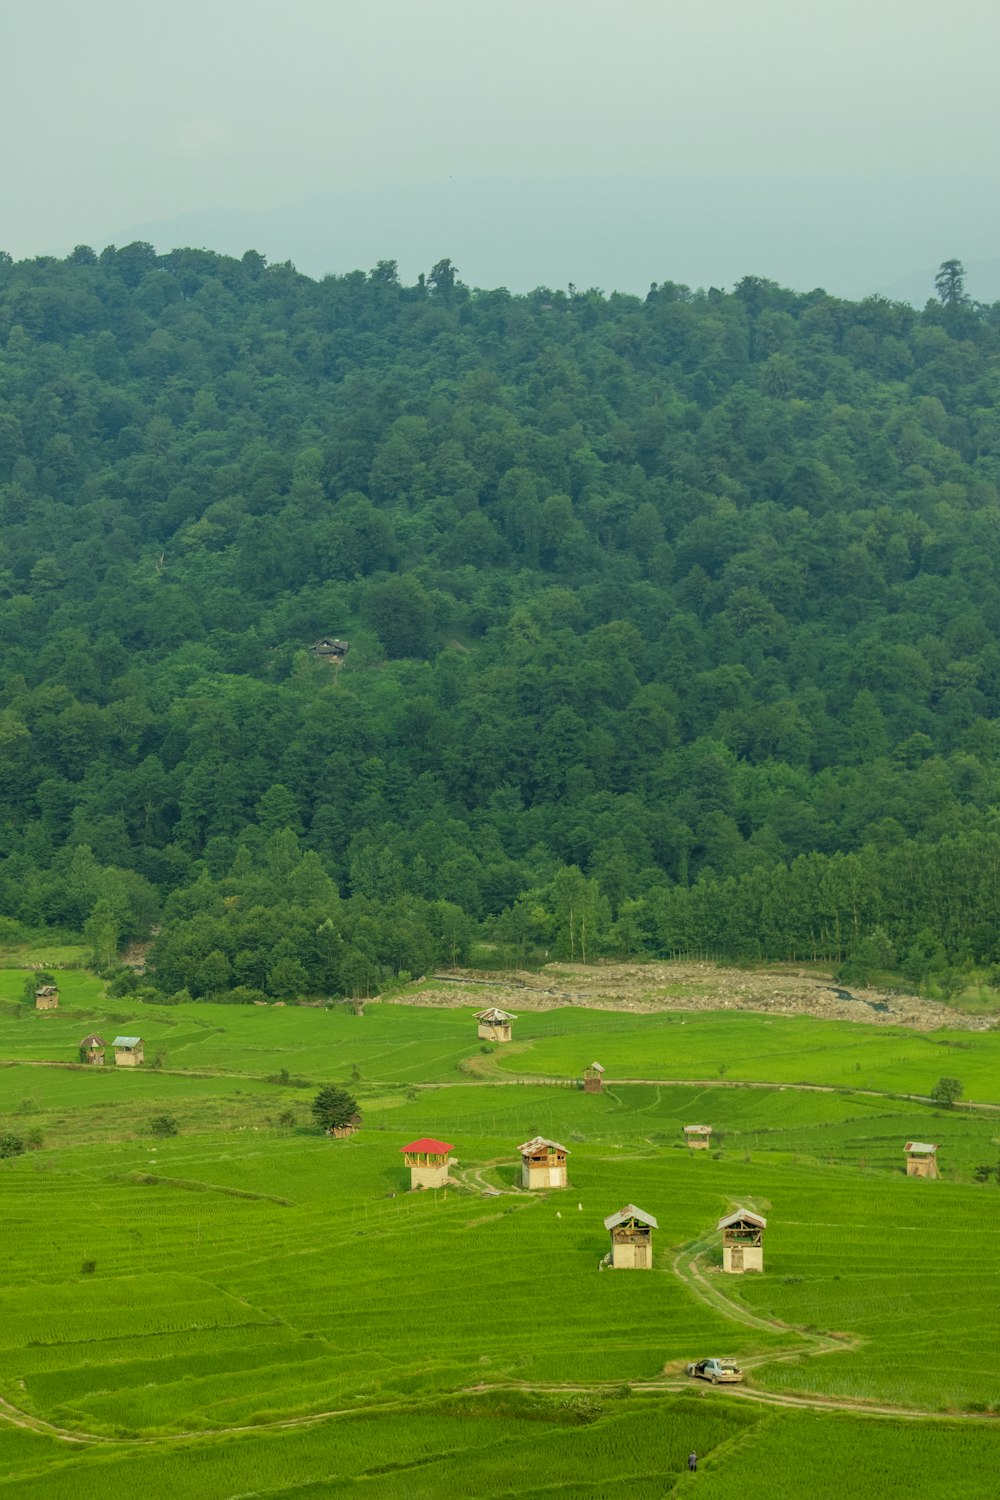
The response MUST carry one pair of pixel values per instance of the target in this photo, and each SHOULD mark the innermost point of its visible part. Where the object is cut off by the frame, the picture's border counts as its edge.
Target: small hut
(494, 1024)
(699, 1137)
(921, 1159)
(92, 1050)
(742, 1241)
(631, 1238)
(341, 1132)
(427, 1160)
(543, 1163)
(330, 649)
(47, 997)
(128, 1051)
(593, 1079)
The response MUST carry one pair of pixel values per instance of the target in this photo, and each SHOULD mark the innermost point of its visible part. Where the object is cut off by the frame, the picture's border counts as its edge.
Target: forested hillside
(673, 621)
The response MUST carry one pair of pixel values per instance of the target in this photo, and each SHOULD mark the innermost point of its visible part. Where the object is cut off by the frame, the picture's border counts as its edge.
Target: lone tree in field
(335, 1109)
(947, 1091)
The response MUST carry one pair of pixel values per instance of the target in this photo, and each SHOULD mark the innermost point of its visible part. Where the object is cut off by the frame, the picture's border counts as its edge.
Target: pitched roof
(629, 1212)
(494, 1014)
(697, 1130)
(127, 1041)
(742, 1215)
(920, 1148)
(596, 1067)
(537, 1143)
(93, 1040)
(430, 1145)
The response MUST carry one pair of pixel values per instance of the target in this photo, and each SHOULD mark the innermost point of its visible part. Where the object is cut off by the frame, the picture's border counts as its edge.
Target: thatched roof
(541, 1143)
(742, 1216)
(630, 1214)
(93, 1040)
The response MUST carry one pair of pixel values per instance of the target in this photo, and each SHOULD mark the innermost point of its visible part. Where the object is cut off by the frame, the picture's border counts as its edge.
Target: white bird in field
(558, 1214)
(580, 1207)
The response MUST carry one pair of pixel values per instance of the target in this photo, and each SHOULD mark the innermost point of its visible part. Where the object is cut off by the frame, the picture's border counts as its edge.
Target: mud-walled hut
(631, 1238)
(921, 1159)
(47, 997)
(427, 1160)
(742, 1241)
(698, 1137)
(543, 1163)
(128, 1051)
(92, 1050)
(494, 1025)
(593, 1079)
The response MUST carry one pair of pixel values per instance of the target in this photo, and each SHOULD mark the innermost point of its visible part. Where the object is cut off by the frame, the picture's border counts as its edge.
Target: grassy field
(248, 1308)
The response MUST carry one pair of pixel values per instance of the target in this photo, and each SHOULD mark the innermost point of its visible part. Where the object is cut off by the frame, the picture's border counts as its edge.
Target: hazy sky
(600, 141)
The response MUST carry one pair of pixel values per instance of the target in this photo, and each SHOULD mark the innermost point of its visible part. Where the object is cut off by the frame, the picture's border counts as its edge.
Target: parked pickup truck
(726, 1371)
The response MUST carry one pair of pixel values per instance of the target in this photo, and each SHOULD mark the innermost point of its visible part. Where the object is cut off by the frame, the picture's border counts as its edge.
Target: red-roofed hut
(427, 1160)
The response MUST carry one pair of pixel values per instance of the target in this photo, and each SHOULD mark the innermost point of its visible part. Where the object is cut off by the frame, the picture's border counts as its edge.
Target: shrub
(11, 1145)
(163, 1125)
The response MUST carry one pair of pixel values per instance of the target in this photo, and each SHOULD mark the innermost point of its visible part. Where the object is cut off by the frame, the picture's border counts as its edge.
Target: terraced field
(250, 1308)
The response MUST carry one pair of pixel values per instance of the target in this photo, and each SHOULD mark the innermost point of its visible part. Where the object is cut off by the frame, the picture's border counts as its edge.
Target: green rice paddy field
(250, 1309)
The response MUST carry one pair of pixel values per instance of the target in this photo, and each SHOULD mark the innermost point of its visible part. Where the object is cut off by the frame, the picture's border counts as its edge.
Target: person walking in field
(693, 1462)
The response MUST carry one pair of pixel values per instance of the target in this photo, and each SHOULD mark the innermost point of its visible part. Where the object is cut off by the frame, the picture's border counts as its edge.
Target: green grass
(246, 1274)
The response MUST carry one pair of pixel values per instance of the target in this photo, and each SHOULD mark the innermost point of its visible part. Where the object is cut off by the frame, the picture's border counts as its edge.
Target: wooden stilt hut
(543, 1163)
(631, 1238)
(47, 997)
(593, 1079)
(428, 1161)
(699, 1137)
(494, 1025)
(921, 1159)
(92, 1050)
(742, 1241)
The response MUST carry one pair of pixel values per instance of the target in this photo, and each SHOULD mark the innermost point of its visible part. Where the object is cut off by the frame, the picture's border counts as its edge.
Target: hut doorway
(736, 1257)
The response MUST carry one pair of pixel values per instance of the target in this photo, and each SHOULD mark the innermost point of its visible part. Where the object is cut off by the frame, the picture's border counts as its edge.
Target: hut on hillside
(543, 1163)
(921, 1159)
(328, 648)
(494, 1025)
(92, 1050)
(699, 1137)
(341, 1132)
(47, 997)
(593, 1079)
(742, 1241)
(631, 1238)
(128, 1051)
(427, 1160)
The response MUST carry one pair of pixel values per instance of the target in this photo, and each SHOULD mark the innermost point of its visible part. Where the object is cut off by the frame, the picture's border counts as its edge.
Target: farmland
(274, 1312)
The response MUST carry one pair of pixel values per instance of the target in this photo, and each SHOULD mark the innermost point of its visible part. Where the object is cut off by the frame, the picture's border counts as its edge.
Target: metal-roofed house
(328, 648)
(427, 1160)
(699, 1137)
(593, 1079)
(631, 1238)
(47, 997)
(92, 1050)
(921, 1159)
(494, 1025)
(742, 1241)
(543, 1163)
(128, 1051)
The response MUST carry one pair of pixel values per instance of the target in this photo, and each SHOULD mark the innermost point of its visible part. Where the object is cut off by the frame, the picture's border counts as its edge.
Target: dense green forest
(673, 620)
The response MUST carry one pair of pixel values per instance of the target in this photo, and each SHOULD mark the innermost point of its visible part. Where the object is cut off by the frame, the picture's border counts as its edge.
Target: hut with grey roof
(128, 1051)
(698, 1137)
(631, 1239)
(921, 1159)
(92, 1050)
(47, 997)
(543, 1163)
(593, 1079)
(742, 1241)
(494, 1025)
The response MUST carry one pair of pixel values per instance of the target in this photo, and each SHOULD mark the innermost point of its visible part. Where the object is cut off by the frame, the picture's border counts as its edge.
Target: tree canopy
(673, 620)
